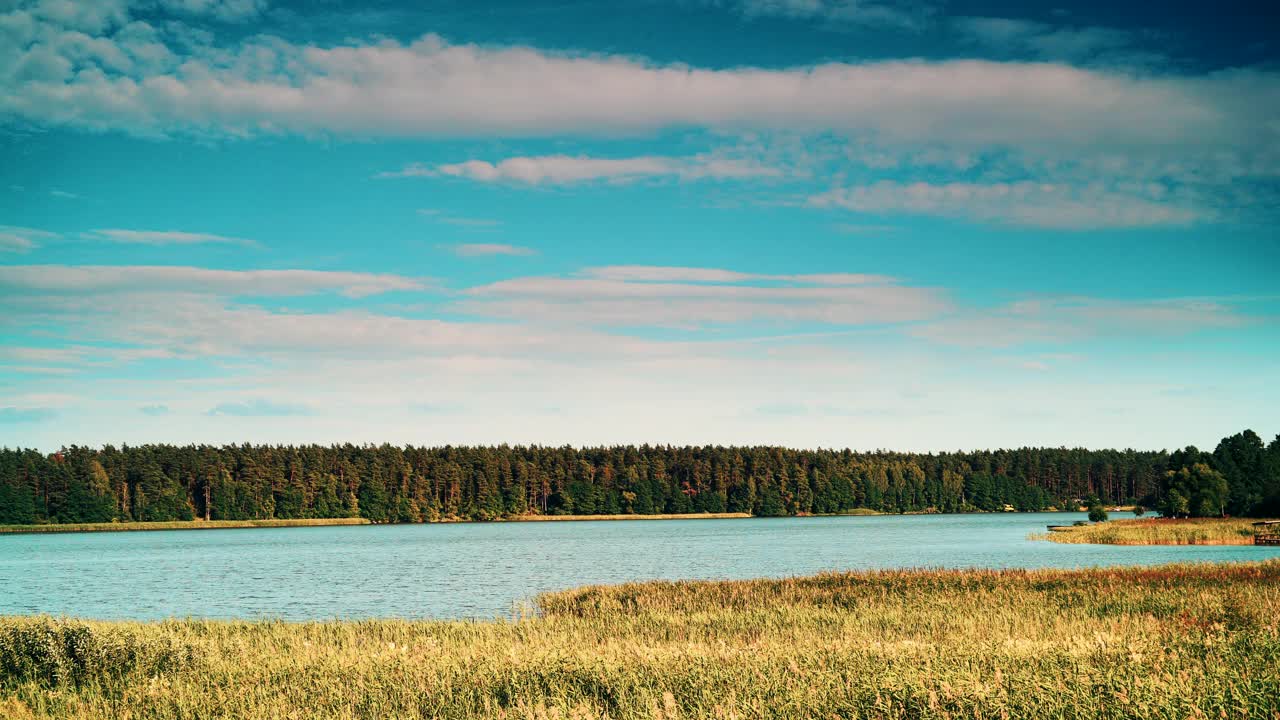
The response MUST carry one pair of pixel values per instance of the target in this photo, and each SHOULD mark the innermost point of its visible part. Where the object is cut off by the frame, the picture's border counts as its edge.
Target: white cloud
(1023, 203)
(566, 169)
(433, 88)
(1068, 320)
(692, 297)
(489, 250)
(664, 273)
(21, 240)
(84, 279)
(166, 237)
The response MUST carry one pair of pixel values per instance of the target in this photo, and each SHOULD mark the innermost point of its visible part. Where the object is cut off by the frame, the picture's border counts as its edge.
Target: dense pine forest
(410, 484)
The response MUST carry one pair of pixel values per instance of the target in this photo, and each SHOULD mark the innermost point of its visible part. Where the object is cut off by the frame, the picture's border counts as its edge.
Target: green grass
(1157, 531)
(1175, 641)
(178, 525)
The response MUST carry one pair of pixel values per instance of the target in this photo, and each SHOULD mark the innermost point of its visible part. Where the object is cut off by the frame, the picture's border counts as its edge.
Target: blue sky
(803, 222)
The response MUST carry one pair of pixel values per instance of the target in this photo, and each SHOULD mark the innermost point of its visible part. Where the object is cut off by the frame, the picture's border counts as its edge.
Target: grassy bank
(1166, 642)
(1158, 531)
(177, 525)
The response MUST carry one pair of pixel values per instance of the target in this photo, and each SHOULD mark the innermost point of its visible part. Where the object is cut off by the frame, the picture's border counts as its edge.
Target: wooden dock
(1266, 532)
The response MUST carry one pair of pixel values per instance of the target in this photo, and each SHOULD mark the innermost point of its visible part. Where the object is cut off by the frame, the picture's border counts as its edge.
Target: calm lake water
(485, 570)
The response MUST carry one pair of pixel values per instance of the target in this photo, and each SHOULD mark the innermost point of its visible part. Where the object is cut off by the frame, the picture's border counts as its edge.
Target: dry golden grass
(1158, 531)
(1178, 641)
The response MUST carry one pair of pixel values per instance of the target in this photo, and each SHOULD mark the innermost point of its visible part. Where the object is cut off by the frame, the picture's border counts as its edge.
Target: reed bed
(1178, 641)
(178, 525)
(1158, 531)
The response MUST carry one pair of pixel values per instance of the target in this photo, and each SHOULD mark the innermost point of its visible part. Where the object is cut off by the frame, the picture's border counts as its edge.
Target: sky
(907, 225)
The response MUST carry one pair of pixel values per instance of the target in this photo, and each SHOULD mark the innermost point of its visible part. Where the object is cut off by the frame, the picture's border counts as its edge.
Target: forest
(1241, 477)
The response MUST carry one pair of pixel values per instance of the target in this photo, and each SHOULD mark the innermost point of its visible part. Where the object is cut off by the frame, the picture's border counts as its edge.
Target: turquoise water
(486, 570)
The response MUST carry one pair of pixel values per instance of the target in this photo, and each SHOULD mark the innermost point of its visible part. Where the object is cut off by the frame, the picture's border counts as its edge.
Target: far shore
(176, 525)
(321, 522)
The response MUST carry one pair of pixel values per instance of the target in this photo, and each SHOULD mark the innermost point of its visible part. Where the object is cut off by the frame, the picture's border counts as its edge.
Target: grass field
(177, 525)
(1158, 531)
(1178, 641)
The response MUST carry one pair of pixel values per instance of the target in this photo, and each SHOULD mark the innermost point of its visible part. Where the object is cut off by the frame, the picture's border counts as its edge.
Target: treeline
(412, 484)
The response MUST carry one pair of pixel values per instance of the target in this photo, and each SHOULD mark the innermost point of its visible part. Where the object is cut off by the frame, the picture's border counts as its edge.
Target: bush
(1097, 513)
(59, 652)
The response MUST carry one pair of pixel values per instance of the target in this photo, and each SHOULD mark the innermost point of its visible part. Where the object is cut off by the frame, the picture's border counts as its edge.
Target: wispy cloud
(569, 169)
(82, 279)
(636, 296)
(65, 195)
(1023, 203)
(166, 237)
(1056, 321)
(14, 415)
(489, 250)
(258, 407)
(154, 410)
(225, 10)
(1053, 42)
(664, 273)
(471, 223)
(21, 240)
(900, 15)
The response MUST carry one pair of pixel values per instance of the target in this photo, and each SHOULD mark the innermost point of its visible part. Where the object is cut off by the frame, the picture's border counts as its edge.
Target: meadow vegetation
(1158, 531)
(1174, 641)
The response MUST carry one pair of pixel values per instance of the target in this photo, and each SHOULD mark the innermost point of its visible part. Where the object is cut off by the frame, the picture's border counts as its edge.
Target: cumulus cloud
(566, 169)
(166, 237)
(82, 279)
(1023, 203)
(489, 250)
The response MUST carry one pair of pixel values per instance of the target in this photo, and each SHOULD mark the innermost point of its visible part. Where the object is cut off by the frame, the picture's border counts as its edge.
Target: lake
(478, 570)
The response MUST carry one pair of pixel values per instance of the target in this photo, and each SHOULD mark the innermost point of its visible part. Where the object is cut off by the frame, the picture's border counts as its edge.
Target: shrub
(59, 652)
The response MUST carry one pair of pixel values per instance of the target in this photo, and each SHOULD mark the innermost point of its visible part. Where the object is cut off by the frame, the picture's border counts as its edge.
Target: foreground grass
(177, 525)
(1167, 642)
(1158, 531)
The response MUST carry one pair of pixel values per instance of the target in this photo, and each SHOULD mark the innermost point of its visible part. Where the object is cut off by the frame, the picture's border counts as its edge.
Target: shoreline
(176, 525)
(137, 526)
